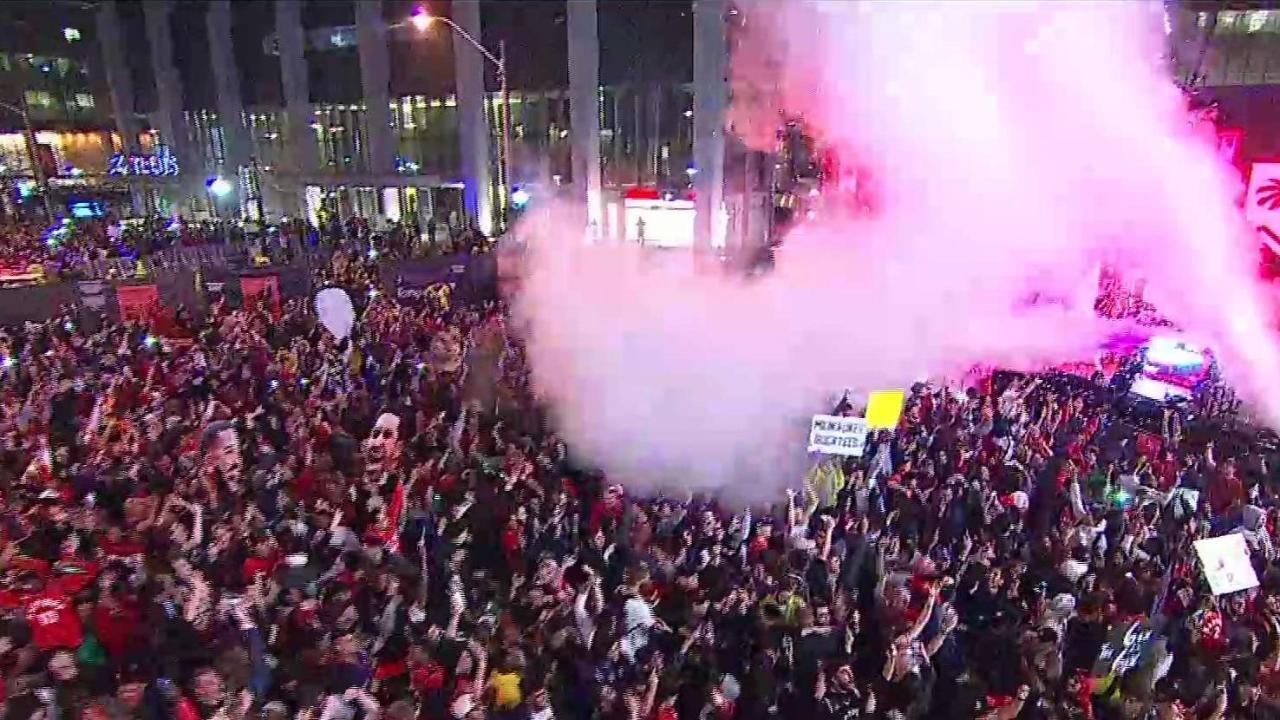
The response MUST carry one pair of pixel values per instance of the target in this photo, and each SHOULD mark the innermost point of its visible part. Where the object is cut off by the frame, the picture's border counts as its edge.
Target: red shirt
(259, 565)
(117, 628)
(52, 616)
(1225, 491)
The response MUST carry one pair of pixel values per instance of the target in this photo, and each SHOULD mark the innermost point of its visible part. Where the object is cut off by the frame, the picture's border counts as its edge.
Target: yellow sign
(884, 408)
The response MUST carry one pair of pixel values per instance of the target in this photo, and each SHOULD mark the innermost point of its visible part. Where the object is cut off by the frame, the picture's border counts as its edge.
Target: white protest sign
(835, 435)
(1226, 563)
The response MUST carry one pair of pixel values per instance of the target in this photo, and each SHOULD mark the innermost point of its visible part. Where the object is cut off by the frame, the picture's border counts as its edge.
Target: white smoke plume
(1015, 147)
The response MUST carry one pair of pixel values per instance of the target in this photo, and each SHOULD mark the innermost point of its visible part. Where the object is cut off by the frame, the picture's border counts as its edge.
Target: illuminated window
(71, 34)
(84, 100)
(1227, 19)
(1257, 19)
(1202, 19)
(39, 98)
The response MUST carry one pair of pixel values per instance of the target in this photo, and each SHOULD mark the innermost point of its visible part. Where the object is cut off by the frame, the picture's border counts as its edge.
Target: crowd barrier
(450, 278)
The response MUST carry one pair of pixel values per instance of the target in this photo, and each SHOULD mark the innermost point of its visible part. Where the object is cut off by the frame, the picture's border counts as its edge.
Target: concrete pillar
(168, 117)
(119, 80)
(120, 86)
(710, 98)
(237, 145)
(375, 82)
(584, 109)
(473, 128)
(300, 152)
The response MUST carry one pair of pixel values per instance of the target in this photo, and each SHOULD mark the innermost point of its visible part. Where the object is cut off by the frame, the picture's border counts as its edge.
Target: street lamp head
(421, 19)
(219, 186)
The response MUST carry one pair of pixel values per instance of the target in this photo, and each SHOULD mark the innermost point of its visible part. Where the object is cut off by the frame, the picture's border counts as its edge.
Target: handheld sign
(833, 435)
(1226, 563)
(884, 408)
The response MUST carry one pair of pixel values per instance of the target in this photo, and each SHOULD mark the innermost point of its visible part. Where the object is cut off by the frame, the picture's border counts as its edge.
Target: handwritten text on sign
(1226, 562)
(834, 435)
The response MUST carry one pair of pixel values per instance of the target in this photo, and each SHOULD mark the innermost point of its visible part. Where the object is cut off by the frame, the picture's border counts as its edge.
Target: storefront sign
(162, 164)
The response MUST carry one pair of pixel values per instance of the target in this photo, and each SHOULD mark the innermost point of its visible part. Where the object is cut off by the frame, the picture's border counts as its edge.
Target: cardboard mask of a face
(382, 448)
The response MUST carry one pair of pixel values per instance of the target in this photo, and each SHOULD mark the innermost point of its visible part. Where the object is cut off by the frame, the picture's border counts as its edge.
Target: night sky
(641, 41)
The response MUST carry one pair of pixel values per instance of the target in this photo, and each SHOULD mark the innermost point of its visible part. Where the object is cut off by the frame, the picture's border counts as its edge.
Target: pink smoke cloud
(1016, 147)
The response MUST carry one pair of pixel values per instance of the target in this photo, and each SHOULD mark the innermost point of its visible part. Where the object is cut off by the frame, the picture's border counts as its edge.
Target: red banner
(138, 302)
(252, 288)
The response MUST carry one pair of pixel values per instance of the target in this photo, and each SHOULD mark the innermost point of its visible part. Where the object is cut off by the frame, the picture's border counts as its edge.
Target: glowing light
(150, 341)
(691, 171)
(10, 362)
(69, 326)
(219, 186)
(520, 197)
(1173, 352)
(421, 19)
(373, 253)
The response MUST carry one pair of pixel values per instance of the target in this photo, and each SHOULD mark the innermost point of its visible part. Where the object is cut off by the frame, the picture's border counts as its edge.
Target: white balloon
(333, 305)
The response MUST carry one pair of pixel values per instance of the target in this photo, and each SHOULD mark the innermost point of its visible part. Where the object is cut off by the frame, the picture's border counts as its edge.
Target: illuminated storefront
(65, 154)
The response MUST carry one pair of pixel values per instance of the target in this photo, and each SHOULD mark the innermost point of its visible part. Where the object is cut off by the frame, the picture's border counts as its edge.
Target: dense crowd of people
(110, 247)
(262, 519)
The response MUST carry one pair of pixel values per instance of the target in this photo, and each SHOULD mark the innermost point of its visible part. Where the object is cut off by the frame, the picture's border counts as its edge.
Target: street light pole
(421, 20)
(37, 170)
(504, 90)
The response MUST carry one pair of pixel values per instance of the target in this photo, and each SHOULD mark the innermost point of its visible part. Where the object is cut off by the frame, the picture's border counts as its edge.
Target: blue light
(519, 198)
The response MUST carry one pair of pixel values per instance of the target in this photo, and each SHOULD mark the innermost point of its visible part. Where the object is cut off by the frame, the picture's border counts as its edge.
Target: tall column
(584, 108)
(226, 82)
(473, 129)
(167, 117)
(300, 153)
(710, 98)
(120, 85)
(375, 82)
(119, 81)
